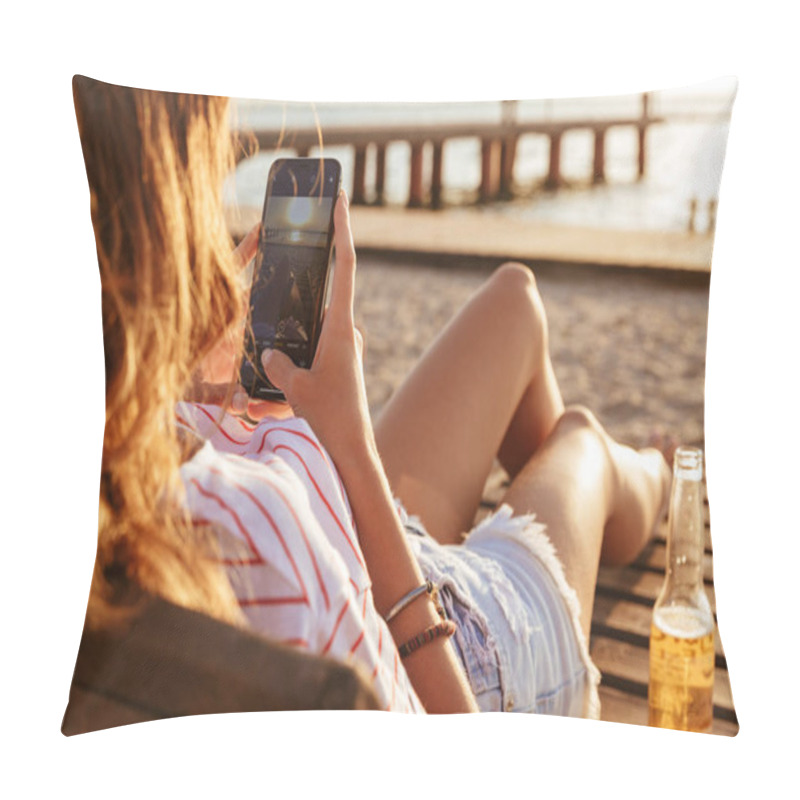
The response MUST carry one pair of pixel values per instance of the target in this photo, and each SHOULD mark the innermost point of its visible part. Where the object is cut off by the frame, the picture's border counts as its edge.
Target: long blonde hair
(155, 163)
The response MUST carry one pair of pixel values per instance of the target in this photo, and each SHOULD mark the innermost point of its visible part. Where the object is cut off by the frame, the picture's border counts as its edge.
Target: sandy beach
(628, 311)
(630, 346)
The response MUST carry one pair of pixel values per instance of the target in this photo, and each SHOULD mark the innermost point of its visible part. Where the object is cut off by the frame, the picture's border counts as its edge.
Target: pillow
(612, 203)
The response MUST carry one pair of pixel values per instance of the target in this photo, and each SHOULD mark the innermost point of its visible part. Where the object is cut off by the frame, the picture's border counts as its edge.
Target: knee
(515, 276)
(514, 286)
(578, 418)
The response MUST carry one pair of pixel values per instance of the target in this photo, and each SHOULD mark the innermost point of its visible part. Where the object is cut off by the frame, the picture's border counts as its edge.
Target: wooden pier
(498, 151)
(488, 237)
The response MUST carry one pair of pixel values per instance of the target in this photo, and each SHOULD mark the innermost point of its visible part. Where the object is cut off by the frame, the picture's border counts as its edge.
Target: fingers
(279, 368)
(343, 285)
(248, 246)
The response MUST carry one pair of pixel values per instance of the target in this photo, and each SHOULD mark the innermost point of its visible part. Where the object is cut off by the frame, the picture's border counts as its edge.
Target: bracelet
(408, 599)
(445, 628)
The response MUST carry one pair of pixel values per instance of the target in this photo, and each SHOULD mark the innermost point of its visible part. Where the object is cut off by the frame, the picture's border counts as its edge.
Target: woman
(318, 551)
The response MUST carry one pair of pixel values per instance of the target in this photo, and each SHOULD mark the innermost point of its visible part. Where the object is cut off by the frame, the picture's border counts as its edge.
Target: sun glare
(299, 211)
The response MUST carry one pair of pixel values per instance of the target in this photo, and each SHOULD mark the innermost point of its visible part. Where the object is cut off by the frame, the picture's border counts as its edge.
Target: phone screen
(291, 269)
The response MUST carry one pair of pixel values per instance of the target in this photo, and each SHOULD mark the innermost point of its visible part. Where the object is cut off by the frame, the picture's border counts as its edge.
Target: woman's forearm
(331, 396)
(434, 670)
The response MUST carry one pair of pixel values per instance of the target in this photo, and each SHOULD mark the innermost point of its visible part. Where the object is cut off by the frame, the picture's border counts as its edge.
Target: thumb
(279, 368)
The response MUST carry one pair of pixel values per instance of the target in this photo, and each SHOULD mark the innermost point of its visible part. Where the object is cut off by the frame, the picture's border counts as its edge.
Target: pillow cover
(611, 201)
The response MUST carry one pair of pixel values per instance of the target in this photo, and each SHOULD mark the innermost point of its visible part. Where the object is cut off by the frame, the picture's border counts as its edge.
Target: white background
(52, 399)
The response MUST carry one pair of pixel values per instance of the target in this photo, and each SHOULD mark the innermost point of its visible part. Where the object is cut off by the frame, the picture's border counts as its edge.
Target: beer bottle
(682, 629)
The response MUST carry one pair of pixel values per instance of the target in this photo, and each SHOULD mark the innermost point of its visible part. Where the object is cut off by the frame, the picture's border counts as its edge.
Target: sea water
(684, 156)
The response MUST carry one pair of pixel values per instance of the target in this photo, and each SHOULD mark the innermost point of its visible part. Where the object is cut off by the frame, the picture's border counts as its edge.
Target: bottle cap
(688, 463)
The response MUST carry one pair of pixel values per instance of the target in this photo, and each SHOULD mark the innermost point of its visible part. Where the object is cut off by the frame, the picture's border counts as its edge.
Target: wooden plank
(618, 706)
(621, 619)
(487, 238)
(654, 559)
(661, 538)
(637, 585)
(629, 666)
(661, 533)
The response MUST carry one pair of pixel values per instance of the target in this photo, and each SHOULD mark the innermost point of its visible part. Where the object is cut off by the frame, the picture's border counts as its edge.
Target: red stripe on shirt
(322, 453)
(185, 424)
(275, 527)
(394, 682)
(295, 642)
(315, 444)
(336, 627)
(291, 510)
(292, 431)
(253, 561)
(380, 647)
(324, 500)
(209, 495)
(357, 642)
(219, 427)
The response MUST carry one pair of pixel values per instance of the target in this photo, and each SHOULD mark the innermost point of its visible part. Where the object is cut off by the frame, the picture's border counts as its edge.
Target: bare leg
(598, 499)
(484, 389)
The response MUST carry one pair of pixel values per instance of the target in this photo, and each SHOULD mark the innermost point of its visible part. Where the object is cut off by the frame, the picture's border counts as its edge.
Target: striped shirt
(289, 544)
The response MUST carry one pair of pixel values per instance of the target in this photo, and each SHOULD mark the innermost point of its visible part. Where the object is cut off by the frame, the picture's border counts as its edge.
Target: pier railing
(498, 150)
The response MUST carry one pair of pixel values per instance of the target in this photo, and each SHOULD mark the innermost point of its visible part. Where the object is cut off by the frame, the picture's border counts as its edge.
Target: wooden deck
(621, 627)
(464, 235)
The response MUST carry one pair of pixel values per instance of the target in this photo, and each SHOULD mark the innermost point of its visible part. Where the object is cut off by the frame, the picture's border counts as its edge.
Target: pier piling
(599, 164)
(554, 172)
(359, 195)
(642, 133)
(436, 175)
(507, 158)
(415, 189)
(490, 170)
(380, 172)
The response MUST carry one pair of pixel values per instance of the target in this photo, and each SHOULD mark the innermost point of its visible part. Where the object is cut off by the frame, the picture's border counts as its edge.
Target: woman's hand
(331, 395)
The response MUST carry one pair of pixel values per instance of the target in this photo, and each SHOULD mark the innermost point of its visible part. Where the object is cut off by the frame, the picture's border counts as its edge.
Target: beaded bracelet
(444, 628)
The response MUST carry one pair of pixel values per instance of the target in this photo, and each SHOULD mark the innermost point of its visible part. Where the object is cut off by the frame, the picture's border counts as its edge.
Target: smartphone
(292, 265)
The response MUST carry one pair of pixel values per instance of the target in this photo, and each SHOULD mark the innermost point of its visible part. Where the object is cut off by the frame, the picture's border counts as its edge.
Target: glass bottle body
(680, 693)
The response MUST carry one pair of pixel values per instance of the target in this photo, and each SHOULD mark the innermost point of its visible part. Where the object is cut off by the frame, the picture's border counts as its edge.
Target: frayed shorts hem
(519, 639)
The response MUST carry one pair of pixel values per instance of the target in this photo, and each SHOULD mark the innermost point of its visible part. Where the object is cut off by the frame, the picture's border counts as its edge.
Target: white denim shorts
(518, 633)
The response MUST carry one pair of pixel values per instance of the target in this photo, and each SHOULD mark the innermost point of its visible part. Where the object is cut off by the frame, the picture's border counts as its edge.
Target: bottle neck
(685, 540)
